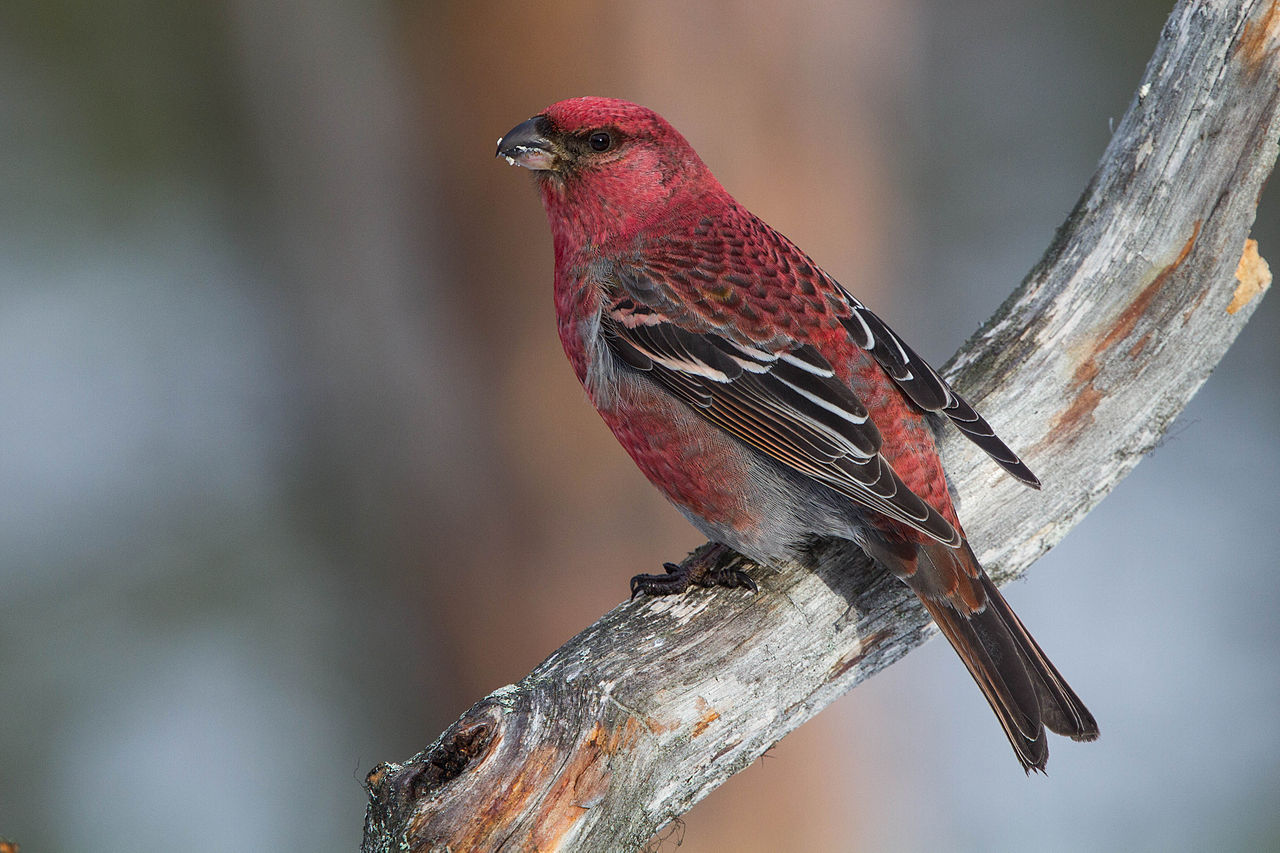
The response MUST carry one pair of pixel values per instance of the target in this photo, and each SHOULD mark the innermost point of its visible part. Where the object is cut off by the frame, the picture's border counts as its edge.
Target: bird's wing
(784, 401)
(922, 384)
(712, 277)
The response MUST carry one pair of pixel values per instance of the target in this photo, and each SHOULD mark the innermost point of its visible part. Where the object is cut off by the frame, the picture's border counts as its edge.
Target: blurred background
(292, 469)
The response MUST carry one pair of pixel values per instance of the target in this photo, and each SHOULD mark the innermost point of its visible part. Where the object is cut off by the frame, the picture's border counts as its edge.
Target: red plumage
(765, 401)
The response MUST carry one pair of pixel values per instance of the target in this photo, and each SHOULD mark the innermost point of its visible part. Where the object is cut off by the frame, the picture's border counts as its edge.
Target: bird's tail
(1024, 688)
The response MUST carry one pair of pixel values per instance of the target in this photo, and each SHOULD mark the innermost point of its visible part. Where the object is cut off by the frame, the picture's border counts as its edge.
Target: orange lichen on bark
(708, 715)
(1139, 345)
(1134, 311)
(865, 646)
(1259, 38)
(581, 780)
(497, 816)
(1253, 275)
(581, 784)
(549, 790)
(1080, 412)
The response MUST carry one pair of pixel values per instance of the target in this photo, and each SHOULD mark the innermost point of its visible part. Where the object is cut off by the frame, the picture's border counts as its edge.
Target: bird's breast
(579, 303)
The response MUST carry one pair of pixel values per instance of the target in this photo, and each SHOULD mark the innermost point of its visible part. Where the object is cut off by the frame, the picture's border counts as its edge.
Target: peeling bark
(1144, 288)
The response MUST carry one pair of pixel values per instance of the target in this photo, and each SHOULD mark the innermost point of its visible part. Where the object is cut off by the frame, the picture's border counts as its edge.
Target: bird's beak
(527, 145)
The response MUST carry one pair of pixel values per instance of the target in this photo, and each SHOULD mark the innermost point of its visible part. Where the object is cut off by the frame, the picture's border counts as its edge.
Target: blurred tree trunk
(390, 410)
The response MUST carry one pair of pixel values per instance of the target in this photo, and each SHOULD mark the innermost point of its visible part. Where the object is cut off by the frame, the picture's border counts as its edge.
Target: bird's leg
(698, 570)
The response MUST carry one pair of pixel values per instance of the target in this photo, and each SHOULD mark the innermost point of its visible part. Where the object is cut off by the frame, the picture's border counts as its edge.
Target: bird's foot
(700, 570)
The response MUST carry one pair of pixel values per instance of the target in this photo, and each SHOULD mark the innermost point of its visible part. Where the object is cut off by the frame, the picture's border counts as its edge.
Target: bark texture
(1082, 370)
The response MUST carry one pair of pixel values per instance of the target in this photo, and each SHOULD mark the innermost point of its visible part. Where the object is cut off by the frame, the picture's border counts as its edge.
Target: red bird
(764, 400)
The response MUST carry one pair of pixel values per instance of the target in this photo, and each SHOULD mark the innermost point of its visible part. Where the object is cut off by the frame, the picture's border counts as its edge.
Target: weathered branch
(638, 717)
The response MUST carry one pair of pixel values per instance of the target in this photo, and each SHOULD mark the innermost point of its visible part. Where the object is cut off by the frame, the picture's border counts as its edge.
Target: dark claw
(731, 578)
(672, 583)
(697, 572)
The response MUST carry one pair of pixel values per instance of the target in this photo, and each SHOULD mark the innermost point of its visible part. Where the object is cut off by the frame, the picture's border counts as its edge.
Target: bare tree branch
(634, 720)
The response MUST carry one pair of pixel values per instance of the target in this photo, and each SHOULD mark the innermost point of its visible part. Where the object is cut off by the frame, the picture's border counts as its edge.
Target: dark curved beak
(527, 145)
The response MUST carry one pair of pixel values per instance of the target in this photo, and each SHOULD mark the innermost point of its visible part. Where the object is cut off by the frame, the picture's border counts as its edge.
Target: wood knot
(401, 785)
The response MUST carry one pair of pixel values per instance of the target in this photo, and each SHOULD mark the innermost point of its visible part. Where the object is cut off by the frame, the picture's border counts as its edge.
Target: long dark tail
(1024, 688)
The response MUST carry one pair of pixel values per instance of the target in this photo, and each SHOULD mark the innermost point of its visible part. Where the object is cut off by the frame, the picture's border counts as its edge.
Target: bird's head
(608, 168)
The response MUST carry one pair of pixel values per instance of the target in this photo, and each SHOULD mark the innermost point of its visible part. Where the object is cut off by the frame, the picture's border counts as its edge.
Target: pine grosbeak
(761, 397)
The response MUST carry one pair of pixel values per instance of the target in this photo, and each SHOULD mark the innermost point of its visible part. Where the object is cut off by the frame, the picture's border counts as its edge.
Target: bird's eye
(600, 141)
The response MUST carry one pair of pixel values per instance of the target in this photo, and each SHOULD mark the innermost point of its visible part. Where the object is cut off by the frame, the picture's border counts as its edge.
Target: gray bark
(1082, 370)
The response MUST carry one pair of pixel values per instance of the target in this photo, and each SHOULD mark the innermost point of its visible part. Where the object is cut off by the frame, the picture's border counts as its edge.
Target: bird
(762, 398)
